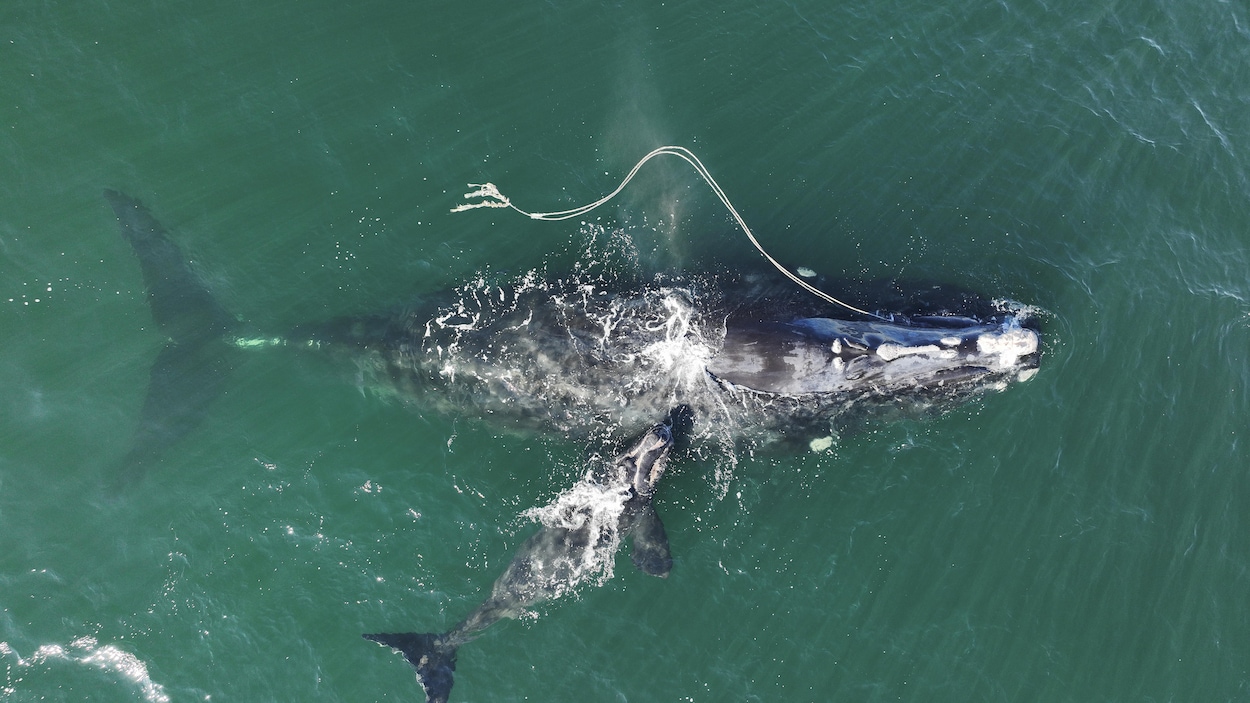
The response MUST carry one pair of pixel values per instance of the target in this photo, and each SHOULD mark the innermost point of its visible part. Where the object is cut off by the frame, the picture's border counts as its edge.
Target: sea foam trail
(88, 652)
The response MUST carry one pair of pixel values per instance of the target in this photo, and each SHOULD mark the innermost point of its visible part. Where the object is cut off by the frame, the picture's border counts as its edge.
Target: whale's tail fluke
(431, 655)
(181, 304)
(191, 371)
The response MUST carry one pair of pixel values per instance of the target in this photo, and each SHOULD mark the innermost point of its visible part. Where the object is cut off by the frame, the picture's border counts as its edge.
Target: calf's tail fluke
(431, 655)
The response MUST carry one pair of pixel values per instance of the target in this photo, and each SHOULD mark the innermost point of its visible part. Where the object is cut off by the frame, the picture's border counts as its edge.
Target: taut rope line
(491, 197)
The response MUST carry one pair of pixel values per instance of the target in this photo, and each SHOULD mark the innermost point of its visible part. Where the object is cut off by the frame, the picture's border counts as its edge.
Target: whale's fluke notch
(191, 371)
(431, 655)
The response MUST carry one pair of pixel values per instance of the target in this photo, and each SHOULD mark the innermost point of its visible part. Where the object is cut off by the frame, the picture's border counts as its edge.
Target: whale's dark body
(753, 359)
(764, 363)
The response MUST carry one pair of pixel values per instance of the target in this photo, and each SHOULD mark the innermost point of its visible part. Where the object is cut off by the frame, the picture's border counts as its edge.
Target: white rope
(491, 197)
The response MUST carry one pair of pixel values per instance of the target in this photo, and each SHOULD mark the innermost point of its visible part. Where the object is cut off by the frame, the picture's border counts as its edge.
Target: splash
(1023, 313)
(682, 350)
(592, 508)
(87, 651)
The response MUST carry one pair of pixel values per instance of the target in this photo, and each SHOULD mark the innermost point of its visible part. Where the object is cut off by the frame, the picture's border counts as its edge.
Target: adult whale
(754, 358)
(610, 504)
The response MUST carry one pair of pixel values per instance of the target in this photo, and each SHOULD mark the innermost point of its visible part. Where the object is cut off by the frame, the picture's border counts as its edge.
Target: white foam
(110, 658)
(591, 505)
(680, 353)
(1018, 310)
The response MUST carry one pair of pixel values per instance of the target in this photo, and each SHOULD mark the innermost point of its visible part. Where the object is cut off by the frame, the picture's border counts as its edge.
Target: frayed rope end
(491, 197)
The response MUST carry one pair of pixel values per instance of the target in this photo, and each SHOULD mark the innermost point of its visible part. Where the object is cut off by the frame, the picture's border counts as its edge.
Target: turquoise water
(1081, 537)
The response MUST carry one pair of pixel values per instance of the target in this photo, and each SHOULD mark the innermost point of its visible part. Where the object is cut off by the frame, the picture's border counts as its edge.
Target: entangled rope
(491, 197)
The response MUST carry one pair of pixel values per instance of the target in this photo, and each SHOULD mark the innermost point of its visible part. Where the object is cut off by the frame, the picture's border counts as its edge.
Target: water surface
(1082, 537)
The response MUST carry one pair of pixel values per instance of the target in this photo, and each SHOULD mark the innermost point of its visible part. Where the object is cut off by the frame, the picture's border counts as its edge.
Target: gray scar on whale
(555, 560)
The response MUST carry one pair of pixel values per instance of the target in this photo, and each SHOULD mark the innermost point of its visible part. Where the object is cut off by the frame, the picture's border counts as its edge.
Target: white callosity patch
(1005, 347)
(890, 352)
(87, 651)
(1010, 345)
(821, 444)
(257, 342)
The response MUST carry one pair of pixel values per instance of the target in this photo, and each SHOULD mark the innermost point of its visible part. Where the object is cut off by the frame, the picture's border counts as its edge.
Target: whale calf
(559, 557)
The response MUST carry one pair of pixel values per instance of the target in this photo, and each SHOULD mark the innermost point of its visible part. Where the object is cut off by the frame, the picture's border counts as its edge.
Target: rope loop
(492, 198)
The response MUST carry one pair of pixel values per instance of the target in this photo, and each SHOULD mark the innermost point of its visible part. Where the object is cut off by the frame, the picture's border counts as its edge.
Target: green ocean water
(1084, 536)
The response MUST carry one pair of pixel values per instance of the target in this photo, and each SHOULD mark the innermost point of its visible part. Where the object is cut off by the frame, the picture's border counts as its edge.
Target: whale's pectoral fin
(190, 372)
(651, 554)
(430, 655)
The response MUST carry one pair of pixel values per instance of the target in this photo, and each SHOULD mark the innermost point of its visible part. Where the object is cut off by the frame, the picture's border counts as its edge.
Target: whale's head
(810, 356)
(644, 462)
